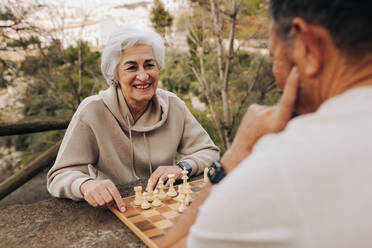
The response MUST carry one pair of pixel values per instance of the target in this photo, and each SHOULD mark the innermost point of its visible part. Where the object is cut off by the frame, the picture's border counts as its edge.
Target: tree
(15, 28)
(215, 58)
(160, 18)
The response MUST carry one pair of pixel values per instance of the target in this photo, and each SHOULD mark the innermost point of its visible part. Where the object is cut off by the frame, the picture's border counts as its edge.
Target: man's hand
(163, 172)
(261, 120)
(102, 192)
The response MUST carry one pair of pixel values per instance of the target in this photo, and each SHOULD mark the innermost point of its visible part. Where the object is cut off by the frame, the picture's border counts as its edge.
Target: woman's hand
(102, 192)
(260, 120)
(163, 172)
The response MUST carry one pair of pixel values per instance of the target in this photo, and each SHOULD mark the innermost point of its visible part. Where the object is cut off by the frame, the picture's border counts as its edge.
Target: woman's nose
(142, 75)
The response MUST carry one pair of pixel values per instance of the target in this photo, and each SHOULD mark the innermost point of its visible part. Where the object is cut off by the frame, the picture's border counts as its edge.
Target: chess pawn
(184, 176)
(156, 202)
(188, 193)
(206, 179)
(162, 194)
(171, 192)
(182, 206)
(145, 204)
(138, 195)
(181, 191)
(149, 187)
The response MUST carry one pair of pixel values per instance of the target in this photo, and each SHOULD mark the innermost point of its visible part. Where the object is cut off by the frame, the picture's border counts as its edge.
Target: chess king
(119, 135)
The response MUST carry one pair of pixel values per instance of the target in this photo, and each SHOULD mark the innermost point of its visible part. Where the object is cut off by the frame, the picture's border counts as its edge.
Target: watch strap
(187, 166)
(216, 172)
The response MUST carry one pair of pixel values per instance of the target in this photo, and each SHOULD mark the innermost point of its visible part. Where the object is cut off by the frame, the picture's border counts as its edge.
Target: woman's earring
(114, 83)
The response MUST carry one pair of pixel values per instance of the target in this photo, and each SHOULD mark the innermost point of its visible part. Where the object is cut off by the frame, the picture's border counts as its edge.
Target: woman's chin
(144, 97)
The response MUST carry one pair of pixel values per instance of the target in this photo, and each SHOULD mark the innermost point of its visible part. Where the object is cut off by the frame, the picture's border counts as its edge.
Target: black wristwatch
(216, 172)
(184, 164)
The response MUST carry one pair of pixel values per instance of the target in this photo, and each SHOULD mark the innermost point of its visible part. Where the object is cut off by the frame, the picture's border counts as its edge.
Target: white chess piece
(188, 193)
(184, 176)
(145, 204)
(138, 195)
(182, 206)
(206, 179)
(180, 192)
(156, 202)
(162, 194)
(171, 192)
(149, 190)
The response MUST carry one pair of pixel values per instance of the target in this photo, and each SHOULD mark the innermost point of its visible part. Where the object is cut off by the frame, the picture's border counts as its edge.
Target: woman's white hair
(127, 37)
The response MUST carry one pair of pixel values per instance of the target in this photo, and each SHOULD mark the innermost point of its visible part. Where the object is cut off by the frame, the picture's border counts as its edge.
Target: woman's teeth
(144, 86)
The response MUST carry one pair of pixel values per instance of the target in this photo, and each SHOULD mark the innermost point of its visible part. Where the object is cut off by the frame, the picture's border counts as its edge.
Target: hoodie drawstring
(148, 152)
(131, 147)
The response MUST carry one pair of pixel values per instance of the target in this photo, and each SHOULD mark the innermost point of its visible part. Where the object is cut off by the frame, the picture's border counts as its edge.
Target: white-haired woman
(131, 130)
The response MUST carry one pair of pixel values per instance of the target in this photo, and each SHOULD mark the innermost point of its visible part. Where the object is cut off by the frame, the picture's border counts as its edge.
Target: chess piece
(162, 194)
(180, 192)
(206, 179)
(171, 192)
(184, 176)
(145, 204)
(156, 202)
(188, 193)
(182, 206)
(138, 195)
(149, 190)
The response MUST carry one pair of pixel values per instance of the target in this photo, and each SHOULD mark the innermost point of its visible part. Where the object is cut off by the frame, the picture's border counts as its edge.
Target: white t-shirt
(308, 186)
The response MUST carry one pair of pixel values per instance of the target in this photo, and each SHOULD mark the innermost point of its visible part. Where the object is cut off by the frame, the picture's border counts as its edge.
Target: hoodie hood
(154, 116)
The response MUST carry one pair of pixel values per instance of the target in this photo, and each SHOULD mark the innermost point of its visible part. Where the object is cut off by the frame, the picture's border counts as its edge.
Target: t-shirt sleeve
(251, 207)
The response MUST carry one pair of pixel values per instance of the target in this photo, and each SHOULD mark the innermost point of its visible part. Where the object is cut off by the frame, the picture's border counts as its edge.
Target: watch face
(211, 171)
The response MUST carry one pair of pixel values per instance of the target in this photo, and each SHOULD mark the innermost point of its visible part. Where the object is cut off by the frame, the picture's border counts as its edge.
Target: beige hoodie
(102, 141)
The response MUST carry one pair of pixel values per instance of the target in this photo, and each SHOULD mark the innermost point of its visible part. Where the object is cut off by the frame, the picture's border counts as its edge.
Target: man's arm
(257, 121)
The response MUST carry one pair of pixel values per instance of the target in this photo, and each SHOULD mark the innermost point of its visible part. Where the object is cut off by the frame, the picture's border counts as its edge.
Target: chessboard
(150, 225)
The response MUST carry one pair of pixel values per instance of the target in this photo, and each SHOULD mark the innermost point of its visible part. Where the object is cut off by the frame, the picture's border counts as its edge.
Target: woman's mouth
(142, 86)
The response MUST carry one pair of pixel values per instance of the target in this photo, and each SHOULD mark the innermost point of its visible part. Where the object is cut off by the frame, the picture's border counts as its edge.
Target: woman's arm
(196, 145)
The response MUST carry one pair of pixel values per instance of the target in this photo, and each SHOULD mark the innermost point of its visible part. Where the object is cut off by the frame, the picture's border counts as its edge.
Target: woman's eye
(131, 68)
(150, 65)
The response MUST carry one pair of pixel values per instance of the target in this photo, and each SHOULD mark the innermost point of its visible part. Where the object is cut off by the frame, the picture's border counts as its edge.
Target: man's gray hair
(127, 37)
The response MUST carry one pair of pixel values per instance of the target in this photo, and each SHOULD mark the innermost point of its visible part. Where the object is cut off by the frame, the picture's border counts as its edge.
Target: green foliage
(251, 81)
(177, 76)
(205, 119)
(160, 17)
(55, 89)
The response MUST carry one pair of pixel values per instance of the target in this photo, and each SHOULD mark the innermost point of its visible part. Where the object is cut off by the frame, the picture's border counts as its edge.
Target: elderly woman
(131, 130)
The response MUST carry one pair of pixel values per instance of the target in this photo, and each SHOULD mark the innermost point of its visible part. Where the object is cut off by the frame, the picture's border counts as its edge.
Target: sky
(88, 5)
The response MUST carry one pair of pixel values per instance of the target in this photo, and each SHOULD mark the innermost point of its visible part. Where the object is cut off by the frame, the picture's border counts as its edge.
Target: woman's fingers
(102, 192)
(117, 197)
(163, 172)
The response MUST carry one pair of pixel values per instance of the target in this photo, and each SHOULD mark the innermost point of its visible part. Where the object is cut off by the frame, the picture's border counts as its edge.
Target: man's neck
(348, 74)
(339, 75)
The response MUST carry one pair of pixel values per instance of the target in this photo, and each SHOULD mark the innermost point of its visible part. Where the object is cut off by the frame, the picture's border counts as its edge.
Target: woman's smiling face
(138, 74)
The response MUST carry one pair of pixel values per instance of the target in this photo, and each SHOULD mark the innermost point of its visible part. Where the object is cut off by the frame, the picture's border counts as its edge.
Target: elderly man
(306, 181)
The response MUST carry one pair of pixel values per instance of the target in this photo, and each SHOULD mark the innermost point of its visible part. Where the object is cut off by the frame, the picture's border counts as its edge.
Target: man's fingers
(117, 197)
(288, 100)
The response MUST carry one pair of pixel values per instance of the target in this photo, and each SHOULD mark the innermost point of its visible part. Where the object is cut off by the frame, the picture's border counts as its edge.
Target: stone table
(65, 223)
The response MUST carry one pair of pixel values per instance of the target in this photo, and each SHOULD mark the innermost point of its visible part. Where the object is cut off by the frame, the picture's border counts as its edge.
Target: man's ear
(307, 47)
